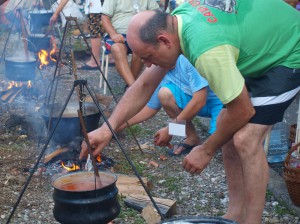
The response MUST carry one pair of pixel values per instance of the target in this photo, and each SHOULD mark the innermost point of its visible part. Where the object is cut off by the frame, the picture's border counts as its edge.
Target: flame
(98, 158)
(14, 84)
(43, 55)
(54, 49)
(72, 168)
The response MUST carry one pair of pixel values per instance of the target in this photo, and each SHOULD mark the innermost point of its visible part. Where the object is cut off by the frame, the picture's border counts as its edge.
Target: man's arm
(59, 8)
(145, 114)
(237, 114)
(134, 99)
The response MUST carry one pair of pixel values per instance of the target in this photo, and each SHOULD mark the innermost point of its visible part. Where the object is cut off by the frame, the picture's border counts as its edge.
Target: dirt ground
(23, 137)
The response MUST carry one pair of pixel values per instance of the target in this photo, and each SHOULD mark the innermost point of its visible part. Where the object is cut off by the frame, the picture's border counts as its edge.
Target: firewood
(52, 155)
(130, 185)
(139, 202)
(150, 215)
(7, 93)
(12, 97)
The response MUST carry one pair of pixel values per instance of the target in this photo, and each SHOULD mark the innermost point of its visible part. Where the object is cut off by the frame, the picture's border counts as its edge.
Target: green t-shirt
(227, 39)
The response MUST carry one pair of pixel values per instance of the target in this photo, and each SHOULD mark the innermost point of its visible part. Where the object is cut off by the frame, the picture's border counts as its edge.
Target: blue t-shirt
(187, 78)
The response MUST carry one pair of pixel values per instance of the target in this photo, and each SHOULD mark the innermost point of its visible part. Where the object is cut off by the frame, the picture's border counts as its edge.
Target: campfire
(13, 90)
(65, 159)
(46, 57)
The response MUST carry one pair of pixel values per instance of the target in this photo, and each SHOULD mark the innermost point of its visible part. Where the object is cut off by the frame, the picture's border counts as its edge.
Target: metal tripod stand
(82, 84)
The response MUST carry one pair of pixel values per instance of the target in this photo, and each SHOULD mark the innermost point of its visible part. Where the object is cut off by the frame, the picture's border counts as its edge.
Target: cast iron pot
(38, 42)
(77, 201)
(20, 68)
(200, 219)
(39, 19)
(69, 125)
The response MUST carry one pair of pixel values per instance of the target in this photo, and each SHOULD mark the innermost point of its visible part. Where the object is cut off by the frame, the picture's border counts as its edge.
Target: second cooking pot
(20, 68)
(69, 126)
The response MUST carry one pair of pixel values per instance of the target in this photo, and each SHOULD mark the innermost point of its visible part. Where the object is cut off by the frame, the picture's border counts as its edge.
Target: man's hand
(118, 38)
(98, 139)
(53, 19)
(197, 160)
(162, 137)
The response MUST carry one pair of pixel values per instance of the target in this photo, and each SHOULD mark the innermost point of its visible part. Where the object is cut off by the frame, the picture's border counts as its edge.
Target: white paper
(177, 129)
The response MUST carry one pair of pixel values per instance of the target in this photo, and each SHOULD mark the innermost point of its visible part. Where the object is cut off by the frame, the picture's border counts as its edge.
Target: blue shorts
(109, 42)
(211, 108)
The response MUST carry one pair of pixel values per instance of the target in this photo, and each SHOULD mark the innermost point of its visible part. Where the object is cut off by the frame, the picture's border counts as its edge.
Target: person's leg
(95, 28)
(136, 66)
(96, 45)
(169, 103)
(245, 163)
(119, 52)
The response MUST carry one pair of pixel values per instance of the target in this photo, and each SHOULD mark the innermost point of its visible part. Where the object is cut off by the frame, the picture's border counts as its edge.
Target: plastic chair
(104, 62)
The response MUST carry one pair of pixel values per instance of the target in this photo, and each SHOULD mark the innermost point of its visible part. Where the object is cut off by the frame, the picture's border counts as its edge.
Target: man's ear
(162, 39)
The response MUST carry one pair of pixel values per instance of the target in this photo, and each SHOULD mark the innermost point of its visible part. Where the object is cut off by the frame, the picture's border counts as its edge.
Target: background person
(93, 10)
(116, 15)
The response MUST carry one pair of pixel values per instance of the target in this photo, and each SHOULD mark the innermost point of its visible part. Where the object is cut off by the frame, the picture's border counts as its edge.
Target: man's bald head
(146, 25)
(153, 36)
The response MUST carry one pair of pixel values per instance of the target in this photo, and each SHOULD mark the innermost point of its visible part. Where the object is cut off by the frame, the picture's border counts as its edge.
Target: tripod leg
(40, 156)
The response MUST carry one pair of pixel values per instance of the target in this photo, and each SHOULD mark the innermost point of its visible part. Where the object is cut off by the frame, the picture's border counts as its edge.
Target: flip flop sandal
(186, 150)
(87, 67)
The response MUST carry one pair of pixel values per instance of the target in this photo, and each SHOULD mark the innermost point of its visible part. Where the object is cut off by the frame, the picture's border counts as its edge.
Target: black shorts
(272, 93)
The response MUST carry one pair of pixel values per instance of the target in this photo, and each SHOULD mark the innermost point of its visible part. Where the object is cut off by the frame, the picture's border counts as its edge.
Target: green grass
(129, 215)
(170, 184)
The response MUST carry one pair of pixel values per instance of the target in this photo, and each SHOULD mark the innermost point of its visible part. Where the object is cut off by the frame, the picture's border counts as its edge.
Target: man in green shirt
(249, 52)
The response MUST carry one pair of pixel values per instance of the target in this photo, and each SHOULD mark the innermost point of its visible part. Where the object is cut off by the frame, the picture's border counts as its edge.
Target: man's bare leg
(234, 175)
(169, 104)
(119, 52)
(136, 66)
(95, 45)
(247, 174)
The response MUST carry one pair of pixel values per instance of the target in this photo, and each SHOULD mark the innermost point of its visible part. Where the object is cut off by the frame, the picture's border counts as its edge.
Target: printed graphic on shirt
(224, 5)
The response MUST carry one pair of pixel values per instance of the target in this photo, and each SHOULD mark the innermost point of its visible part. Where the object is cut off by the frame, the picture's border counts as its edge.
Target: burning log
(8, 96)
(54, 154)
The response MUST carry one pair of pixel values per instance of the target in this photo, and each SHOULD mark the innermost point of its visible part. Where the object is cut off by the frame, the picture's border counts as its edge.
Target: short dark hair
(150, 30)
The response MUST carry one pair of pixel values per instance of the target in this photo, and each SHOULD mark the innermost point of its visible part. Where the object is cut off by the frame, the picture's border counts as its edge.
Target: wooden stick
(2, 93)
(12, 97)
(57, 152)
(9, 93)
(24, 36)
(84, 132)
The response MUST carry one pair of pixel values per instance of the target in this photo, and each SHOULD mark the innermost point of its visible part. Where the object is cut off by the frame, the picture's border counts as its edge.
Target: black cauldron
(69, 125)
(38, 42)
(78, 200)
(20, 68)
(38, 19)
